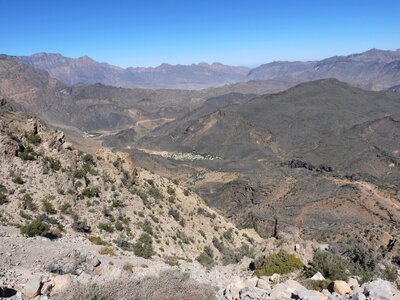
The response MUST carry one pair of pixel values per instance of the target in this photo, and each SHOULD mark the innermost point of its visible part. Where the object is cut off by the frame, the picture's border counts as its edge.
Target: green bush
(170, 190)
(175, 214)
(279, 263)
(3, 197)
(318, 285)
(79, 173)
(144, 246)
(34, 228)
(108, 227)
(18, 180)
(33, 138)
(206, 258)
(97, 240)
(28, 154)
(155, 193)
(128, 267)
(331, 266)
(65, 208)
(228, 235)
(52, 163)
(90, 192)
(27, 203)
(48, 207)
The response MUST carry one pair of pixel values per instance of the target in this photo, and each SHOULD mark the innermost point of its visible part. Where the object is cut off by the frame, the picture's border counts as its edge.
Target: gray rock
(253, 293)
(311, 295)
(379, 289)
(33, 287)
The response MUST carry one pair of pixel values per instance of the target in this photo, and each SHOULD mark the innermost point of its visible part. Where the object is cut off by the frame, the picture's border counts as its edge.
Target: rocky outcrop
(291, 289)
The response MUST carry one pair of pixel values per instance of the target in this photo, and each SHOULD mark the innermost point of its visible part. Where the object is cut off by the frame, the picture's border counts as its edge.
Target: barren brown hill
(323, 156)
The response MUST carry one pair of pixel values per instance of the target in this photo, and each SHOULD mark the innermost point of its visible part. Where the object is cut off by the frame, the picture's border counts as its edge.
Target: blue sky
(149, 32)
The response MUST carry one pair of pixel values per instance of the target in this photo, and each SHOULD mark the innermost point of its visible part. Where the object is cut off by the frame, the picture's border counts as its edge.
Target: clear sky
(149, 32)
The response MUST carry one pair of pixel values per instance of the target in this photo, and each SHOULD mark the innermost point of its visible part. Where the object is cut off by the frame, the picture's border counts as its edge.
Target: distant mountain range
(374, 69)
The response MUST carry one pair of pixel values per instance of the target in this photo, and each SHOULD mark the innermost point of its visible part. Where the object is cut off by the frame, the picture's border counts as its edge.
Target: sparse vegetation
(168, 285)
(107, 251)
(96, 240)
(128, 267)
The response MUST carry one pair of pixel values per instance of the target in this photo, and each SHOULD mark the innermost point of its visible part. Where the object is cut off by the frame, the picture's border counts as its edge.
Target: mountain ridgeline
(374, 69)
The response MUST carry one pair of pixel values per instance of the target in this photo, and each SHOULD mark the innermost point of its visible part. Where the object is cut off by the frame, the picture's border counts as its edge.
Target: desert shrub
(389, 273)
(65, 208)
(80, 225)
(155, 193)
(228, 235)
(79, 173)
(396, 260)
(18, 180)
(168, 285)
(108, 227)
(119, 226)
(186, 193)
(144, 246)
(48, 207)
(170, 190)
(318, 285)
(175, 214)
(34, 228)
(235, 256)
(27, 154)
(88, 159)
(206, 258)
(33, 138)
(90, 192)
(147, 227)
(52, 163)
(128, 267)
(280, 263)
(97, 240)
(331, 266)
(107, 251)
(3, 197)
(27, 203)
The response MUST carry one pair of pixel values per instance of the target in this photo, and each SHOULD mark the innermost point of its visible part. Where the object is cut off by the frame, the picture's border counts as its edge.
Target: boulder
(33, 287)
(358, 296)
(379, 289)
(275, 277)
(67, 146)
(318, 276)
(353, 283)
(263, 284)
(286, 289)
(253, 293)
(340, 287)
(233, 290)
(311, 295)
(60, 283)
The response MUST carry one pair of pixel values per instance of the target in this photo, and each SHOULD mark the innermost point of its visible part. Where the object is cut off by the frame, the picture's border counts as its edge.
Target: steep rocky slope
(102, 196)
(322, 156)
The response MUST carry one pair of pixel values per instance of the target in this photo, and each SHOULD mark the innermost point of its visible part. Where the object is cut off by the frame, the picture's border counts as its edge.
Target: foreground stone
(340, 287)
